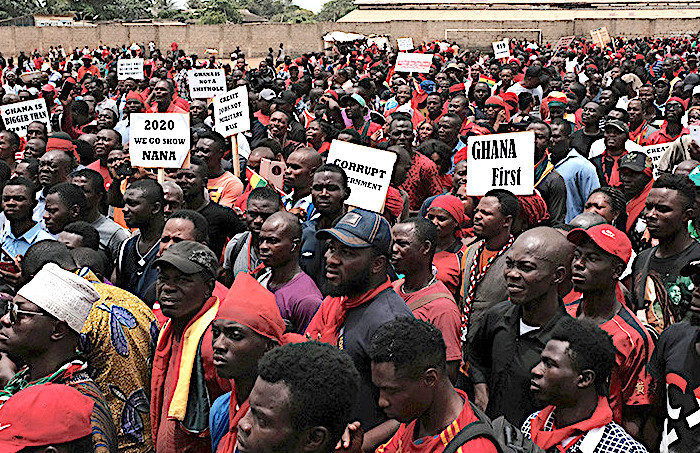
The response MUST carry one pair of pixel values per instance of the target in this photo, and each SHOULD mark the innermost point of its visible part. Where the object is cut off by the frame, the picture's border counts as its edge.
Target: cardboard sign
(405, 43)
(600, 36)
(413, 62)
(17, 116)
(501, 49)
(130, 68)
(655, 152)
(501, 161)
(231, 114)
(564, 42)
(206, 83)
(159, 140)
(369, 173)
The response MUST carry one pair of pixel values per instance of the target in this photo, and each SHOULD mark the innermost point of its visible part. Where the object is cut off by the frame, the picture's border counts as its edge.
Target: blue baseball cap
(361, 228)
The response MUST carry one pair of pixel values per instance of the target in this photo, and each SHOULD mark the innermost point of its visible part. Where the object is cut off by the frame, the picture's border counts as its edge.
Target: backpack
(505, 437)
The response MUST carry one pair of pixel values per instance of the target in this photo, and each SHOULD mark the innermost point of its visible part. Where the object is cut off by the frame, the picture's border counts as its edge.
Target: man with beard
(676, 363)
(143, 209)
(107, 140)
(673, 127)
(484, 261)
(278, 129)
(298, 177)
(223, 221)
(511, 336)
(360, 299)
(54, 167)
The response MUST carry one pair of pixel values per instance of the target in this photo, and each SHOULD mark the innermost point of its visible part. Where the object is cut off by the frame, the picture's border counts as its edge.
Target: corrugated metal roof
(383, 15)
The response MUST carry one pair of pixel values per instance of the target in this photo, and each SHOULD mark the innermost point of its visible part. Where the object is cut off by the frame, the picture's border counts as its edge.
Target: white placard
(501, 49)
(501, 161)
(600, 36)
(231, 113)
(17, 116)
(405, 43)
(655, 152)
(159, 140)
(413, 62)
(695, 133)
(130, 68)
(206, 83)
(369, 173)
(564, 42)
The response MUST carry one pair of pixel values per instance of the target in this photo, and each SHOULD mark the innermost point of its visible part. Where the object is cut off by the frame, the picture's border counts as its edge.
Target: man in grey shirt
(111, 233)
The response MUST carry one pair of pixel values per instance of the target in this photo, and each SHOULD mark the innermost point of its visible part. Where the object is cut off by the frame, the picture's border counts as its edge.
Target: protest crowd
(362, 249)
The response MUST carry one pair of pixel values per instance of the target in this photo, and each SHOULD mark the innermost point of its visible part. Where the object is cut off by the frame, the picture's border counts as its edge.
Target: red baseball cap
(43, 415)
(605, 236)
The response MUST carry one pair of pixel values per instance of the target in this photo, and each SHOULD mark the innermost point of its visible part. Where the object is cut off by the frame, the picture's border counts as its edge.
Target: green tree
(214, 12)
(334, 10)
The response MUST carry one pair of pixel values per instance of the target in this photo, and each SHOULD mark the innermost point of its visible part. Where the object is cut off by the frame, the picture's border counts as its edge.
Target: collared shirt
(610, 438)
(662, 136)
(19, 245)
(502, 356)
(580, 178)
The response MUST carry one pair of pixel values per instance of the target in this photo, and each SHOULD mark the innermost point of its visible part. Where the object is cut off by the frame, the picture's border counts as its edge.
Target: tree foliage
(334, 10)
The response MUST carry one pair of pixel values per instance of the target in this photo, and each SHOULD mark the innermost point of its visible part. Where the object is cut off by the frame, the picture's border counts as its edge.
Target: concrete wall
(255, 39)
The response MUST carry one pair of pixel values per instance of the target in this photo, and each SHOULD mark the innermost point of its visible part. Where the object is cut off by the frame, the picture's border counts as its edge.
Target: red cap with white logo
(605, 236)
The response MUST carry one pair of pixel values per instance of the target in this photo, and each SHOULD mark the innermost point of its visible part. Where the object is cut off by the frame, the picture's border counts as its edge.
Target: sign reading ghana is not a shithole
(159, 140)
(501, 161)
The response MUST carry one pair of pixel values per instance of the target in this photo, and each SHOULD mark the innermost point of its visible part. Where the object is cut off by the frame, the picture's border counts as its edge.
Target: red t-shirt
(442, 313)
(630, 383)
(403, 441)
(449, 268)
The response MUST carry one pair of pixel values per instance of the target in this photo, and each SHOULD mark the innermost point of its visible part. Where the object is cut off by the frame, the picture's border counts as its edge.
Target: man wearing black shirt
(676, 362)
(669, 207)
(582, 139)
(223, 222)
(511, 336)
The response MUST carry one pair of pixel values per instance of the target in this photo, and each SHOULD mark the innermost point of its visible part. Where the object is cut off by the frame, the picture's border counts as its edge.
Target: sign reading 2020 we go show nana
(501, 161)
(159, 140)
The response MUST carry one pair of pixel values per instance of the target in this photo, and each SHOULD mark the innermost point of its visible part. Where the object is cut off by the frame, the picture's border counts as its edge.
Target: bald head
(586, 220)
(310, 156)
(546, 244)
(286, 223)
(685, 167)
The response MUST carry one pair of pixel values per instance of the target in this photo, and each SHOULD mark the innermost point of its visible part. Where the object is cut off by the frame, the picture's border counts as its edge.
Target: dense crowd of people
(207, 309)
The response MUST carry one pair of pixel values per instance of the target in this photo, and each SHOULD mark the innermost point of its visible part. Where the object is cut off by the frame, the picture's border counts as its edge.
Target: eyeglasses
(14, 311)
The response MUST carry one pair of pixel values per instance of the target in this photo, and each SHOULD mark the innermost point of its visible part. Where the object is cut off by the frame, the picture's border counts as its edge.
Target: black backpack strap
(474, 430)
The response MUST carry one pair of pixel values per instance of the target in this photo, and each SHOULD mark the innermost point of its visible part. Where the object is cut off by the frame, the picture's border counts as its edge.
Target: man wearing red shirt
(601, 255)
(163, 97)
(409, 369)
(672, 128)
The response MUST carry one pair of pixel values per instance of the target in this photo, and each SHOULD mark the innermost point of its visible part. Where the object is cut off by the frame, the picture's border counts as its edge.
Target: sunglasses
(14, 311)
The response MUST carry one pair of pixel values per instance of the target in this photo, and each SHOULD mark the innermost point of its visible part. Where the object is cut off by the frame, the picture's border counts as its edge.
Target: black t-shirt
(676, 363)
(582, 142)
(667, 270)
(354, 338)
(223, 224)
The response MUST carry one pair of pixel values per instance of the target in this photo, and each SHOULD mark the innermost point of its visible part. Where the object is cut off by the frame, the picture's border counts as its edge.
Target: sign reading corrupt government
(206, 83)
(413, 62)
(130, 68)
(17, 116)
(501, 161)
(369, 173)
(231, 114)
(655, 152)
(159, 140)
